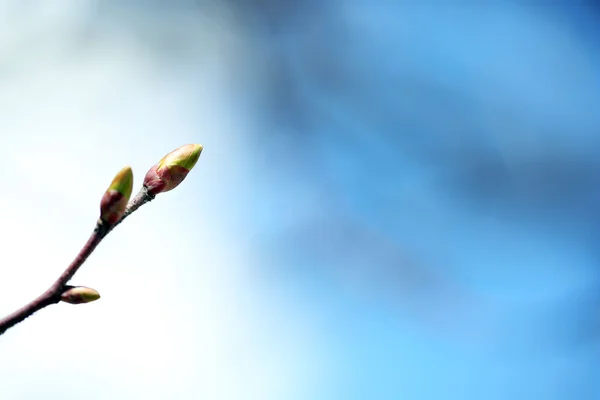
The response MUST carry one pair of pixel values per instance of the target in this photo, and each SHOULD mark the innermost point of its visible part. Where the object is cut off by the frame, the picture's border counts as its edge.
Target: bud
(116, 196)
(172, 169)
(79, 295)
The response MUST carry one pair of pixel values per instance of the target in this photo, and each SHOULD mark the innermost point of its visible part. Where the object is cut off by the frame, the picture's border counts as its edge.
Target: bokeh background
(396, 200)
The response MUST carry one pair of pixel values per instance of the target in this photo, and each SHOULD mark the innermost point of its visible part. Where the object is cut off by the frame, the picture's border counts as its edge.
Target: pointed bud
(79, 295)
(172, 169)
(116, 196)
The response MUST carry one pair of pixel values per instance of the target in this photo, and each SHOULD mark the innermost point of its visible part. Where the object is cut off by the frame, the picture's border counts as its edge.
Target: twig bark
(52, 295)
(141, 198)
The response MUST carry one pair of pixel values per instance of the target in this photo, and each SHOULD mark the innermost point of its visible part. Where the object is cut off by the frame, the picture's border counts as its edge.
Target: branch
(115, 206)
(52, 295)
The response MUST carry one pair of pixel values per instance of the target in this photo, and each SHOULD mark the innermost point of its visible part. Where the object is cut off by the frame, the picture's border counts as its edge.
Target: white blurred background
(87, 88)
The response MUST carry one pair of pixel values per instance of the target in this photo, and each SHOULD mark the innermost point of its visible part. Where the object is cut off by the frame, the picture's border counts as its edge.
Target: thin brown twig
(170, 171)
(53, 294)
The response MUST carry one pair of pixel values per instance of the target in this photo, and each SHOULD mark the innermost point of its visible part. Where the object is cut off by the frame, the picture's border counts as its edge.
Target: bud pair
(170, 171)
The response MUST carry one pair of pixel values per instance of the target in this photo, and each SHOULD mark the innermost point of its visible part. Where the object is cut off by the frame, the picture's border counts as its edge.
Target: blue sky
(394, 201)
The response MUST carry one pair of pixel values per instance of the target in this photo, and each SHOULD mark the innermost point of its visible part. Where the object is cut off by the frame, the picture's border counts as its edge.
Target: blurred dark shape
(314, 74)
(304, 45)
(371, 266)
(333, 89)
(274, 16)
(557, 183)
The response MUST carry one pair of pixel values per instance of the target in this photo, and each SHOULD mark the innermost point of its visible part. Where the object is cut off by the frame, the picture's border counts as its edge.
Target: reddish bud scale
(114, 201)
(159, 180)
(112, 206)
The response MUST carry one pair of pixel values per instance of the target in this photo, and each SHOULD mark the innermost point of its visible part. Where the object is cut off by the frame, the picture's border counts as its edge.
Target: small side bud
(79, 295)
(172, 169)
(117, 195)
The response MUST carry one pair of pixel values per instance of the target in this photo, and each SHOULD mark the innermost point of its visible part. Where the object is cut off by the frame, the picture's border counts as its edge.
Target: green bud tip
(114, 201)
(123, 182)
(172, 169)
(79, 295)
